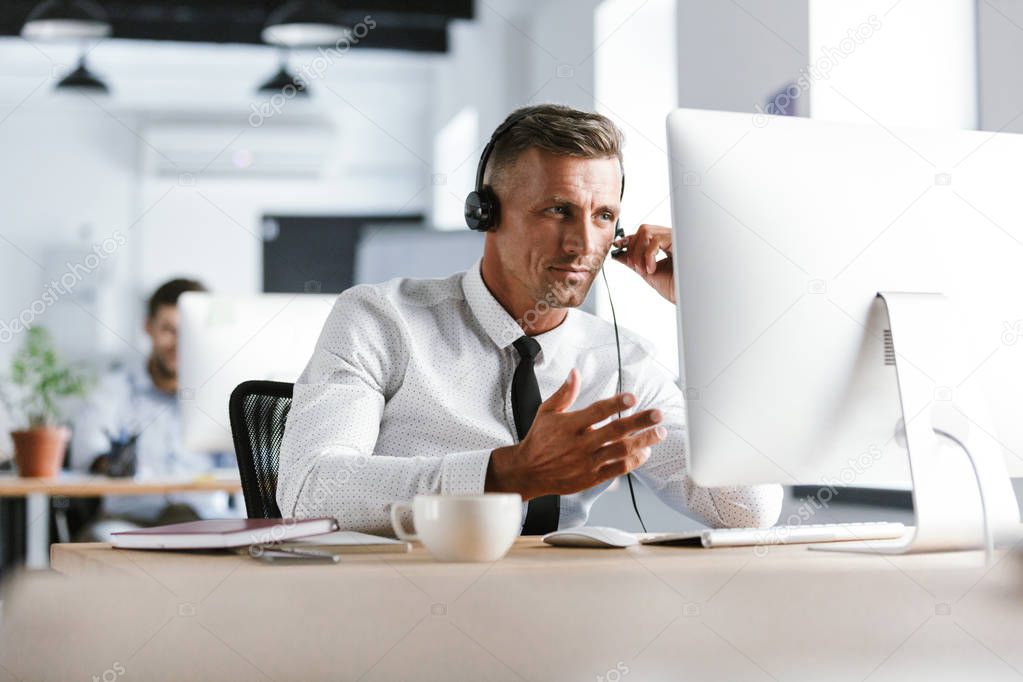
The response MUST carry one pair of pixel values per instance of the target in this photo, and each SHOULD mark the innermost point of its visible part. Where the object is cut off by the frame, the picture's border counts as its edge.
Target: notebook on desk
(350, 542)
(222, 533)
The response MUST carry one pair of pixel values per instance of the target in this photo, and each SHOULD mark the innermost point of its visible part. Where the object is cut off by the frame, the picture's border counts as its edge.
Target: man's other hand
(565, 452)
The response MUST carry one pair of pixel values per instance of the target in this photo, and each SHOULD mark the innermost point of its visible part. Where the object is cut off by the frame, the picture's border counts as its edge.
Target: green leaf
(42, 379)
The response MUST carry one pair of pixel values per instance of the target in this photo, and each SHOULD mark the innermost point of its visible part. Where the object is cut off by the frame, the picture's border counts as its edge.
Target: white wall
(733, 56)
(377, 161)
(562, 47)
(66, 184)
(912, 63)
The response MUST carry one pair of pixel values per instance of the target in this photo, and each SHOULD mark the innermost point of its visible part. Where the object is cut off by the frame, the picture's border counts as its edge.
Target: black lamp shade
(281, 80)
(82, 79)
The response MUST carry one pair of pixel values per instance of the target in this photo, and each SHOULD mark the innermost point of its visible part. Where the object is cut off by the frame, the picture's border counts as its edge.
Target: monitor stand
(956, 464)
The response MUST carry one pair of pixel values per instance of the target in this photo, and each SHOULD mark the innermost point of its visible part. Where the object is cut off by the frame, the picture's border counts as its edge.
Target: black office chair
(259, 410)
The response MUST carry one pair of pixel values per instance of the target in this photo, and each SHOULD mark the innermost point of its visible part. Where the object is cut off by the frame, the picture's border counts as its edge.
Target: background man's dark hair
(169, 292)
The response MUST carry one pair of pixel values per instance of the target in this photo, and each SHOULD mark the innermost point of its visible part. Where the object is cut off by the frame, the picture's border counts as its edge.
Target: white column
(636, 87)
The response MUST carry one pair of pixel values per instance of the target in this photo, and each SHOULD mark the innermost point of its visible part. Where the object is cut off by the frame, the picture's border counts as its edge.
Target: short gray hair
(557, 129)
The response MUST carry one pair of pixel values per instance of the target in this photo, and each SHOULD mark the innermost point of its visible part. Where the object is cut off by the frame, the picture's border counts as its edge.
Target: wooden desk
(37, 493)
(542, 613)
(98, 486)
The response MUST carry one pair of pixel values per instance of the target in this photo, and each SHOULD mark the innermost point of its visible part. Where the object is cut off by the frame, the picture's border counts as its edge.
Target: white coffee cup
(462, 527)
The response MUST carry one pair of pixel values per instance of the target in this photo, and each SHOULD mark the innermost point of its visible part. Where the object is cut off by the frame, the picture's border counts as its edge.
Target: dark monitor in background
(392, 250)
(314, 254)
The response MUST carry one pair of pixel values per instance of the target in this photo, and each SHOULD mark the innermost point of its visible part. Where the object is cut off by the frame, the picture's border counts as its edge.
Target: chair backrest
(259, 410)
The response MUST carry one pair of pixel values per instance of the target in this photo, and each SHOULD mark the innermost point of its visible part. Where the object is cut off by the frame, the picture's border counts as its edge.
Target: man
(132, 426)
(434, 386)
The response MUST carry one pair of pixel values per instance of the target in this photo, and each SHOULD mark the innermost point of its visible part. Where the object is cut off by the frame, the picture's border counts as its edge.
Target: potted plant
(39, 384)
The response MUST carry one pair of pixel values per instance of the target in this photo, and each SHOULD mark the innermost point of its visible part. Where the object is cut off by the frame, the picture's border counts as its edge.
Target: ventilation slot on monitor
(889, 348)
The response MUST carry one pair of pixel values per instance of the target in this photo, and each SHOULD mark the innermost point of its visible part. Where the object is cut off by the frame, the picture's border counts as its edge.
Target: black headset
(481, 214)
(481, 206)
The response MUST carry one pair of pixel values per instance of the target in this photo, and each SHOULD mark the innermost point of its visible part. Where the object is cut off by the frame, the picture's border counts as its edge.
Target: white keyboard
(779, 535)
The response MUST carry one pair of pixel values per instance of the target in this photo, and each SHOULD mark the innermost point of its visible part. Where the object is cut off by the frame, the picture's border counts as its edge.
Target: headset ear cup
(477, 212)
(473, 211)
(480, 209)
(493, 207)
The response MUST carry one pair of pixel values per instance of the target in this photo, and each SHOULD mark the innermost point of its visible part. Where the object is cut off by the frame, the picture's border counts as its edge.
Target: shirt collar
(138, 374)
(142, 381)
(495, 320)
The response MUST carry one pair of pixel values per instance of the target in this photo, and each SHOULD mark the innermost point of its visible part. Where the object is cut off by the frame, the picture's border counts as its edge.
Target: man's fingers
(620, 467)
(644, 245)
(653, 246)
(622, 243)
(602, 409)
(646, 254)
(620, 428)
(627, 448)
(565, 396)
(638, 248)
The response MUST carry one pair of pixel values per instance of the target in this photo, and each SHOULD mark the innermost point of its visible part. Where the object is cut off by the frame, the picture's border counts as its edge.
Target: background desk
(542, 613)
(37, 493)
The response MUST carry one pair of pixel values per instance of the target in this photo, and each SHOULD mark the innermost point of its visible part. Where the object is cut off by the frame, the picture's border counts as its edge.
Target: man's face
(163, 331)
(557, 223)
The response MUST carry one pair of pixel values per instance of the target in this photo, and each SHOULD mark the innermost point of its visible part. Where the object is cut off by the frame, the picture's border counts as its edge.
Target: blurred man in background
(131, 426)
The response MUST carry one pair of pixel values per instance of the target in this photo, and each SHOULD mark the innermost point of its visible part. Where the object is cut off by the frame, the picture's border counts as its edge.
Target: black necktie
(542, 512)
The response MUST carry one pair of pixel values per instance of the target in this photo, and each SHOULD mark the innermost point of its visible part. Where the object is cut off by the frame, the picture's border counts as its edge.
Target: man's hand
(641, 255)
(564, 452)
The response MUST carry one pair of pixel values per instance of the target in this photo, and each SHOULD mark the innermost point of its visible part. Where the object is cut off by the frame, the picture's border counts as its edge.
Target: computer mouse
(591, 536)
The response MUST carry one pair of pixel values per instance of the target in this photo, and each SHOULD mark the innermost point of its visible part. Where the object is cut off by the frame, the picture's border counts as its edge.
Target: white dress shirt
(127, 403)
(409, 390)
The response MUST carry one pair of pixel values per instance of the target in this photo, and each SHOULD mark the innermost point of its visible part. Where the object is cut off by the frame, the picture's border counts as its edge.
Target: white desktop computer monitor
(786, 230)
(224, 340)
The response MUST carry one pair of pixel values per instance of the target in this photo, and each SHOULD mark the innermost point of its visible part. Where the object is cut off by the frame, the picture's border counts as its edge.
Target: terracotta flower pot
(39, 452)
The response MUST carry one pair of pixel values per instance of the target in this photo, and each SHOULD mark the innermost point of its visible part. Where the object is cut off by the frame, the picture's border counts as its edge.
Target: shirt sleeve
(327, 461)
(666, 472)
